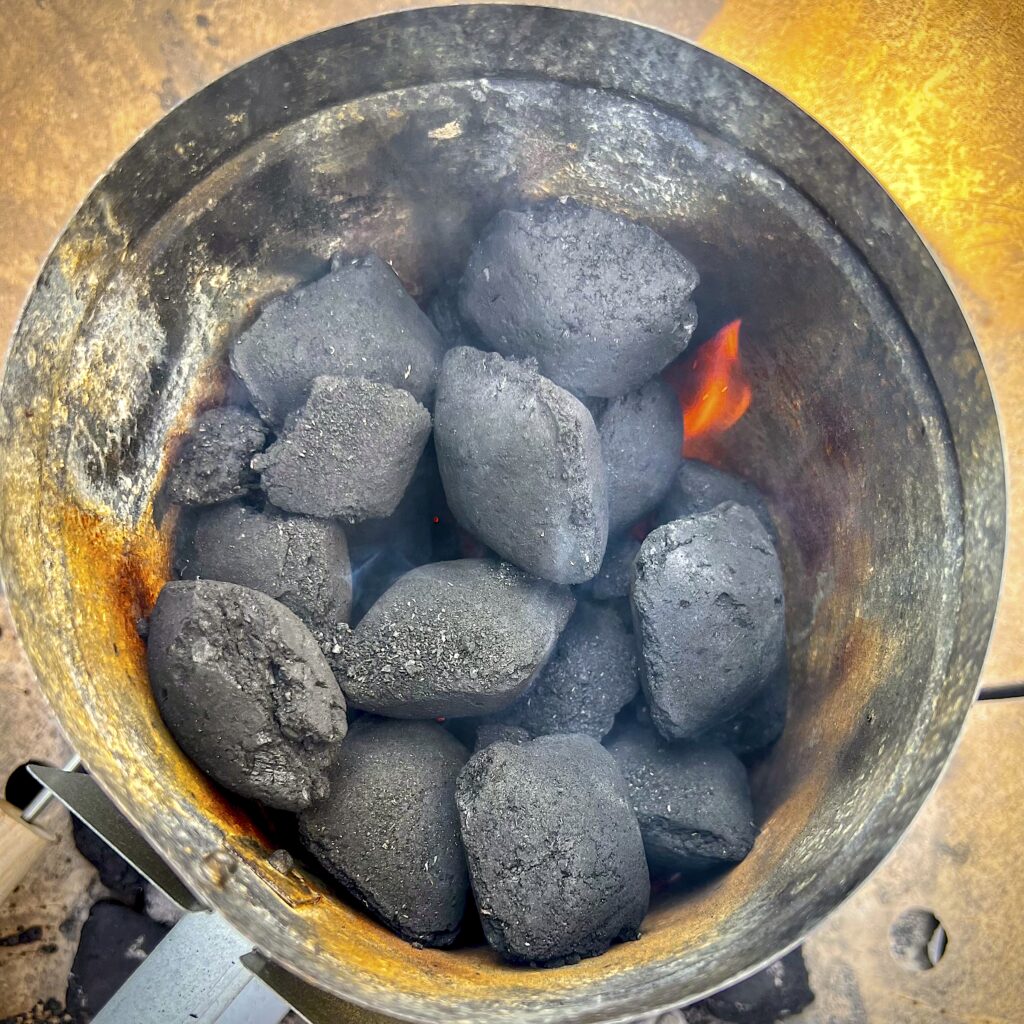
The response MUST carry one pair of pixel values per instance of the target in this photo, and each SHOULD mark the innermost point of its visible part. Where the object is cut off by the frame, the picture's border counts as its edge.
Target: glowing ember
(712, 388)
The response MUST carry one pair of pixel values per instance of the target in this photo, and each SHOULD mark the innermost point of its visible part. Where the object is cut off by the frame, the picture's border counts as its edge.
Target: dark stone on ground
(708, 603)
(498, 732)
(123, 881)
(642, 443)
(779, 991)
(616, 569)
(555, 855)
(245, 690)
(522, 466)
(592, 675)
(389, 831)
(298, 560)
(348, 453)
(692, 800)
(761, 722)
(214, 462)
(450, 639)
(698, 487)
(602, 303)
(115, 940)
(358, 321)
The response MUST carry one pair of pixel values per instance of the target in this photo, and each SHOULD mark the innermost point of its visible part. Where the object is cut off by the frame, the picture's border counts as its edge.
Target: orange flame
(713, 389)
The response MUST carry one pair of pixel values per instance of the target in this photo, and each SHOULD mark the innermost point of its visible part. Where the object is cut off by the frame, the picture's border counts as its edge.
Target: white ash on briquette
(555, 856)
(389, 830)
(450, 639)
(356, 321)
(592, 675)
(245, 690)
(214, 462)
(301, 561)
(707, 601)
(478, 574)
(521, 463)
(602, 303)
(348, 452)
(692, 800)
(642, 444)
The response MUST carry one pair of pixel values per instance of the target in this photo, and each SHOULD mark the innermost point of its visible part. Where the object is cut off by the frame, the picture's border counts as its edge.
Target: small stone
(282, 861)
(298, 560)
(214, 462)
(592, 675)
(692, 800)
(708, 603)
(601, 302)
(522, 467)
(781, 990)
(389, 831)
(555, 855)
(642, 443)
(698, 487)
(451, 639)
(244, 689)
(348, 453)
(443, 310)
(357, 321)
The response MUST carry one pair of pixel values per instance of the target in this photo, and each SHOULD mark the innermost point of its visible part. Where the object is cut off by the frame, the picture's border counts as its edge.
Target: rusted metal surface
(892, 560)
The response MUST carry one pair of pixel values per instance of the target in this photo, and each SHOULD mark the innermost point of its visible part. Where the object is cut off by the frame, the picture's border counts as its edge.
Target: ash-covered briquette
(692, 800)
(389, 830)
(348, 453)
(616, 573)
(602, 303)
(245, 690)
(214, 462)
(498, 732)
(708, 604)
(297, 560)
(642, 443)
(590, 678)
(450, 639)
(443, 310)
(698, 487)
(357, 321)
(761, 722)
(555, 856)
(521, 463)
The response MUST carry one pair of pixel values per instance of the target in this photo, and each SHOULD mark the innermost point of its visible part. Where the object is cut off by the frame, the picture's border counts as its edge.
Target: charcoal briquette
(521, 463)
(556, 860)
(642, 443)
(601, 302)
(298, 560)
(357, 321)
(348, 453)
(498, 732)
(214, 462)
(389, 830)
(443, 310)
(708, 604)
(692, 800)
(698, 487)
(592, 675)
(761, 722)
(612, 582)
(246, 692)
(450, 639)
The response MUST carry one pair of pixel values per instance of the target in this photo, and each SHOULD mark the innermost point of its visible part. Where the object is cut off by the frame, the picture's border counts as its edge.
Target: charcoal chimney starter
(869, 427)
